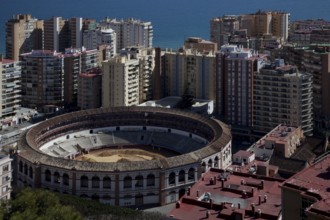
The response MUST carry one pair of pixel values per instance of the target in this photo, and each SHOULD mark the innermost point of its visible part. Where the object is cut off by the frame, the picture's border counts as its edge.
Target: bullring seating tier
(73, 146)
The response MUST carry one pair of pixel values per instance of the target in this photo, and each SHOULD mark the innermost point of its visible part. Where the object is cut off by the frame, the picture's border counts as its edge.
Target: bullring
(169, 150)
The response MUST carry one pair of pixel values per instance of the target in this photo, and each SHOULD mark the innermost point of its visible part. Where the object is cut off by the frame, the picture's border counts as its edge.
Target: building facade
(305, 195)
(5, 177)
(90, 89)
(282, 95)
(23, 34)
(189, 72)
(235, 73)
(42, 80)
(10, 87)
(130, 32)
(120, 81)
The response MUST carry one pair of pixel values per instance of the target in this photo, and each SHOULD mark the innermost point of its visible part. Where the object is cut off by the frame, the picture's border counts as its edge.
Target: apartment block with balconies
(11, 89)
(282, 95)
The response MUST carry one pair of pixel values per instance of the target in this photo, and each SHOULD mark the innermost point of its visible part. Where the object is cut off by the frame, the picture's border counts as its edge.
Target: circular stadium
(127, 156)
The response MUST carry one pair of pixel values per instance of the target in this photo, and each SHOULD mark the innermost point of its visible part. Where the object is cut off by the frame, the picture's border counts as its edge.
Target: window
(139, 181)
(95, 182)
(171, 179)
(106, 183)
(84, 182)
(57, 178)
(191, 174)
(48, 176)
(151, 180)
(182, 176)
(65, 179)
(5, 168)
(30, 172)
(127, 182)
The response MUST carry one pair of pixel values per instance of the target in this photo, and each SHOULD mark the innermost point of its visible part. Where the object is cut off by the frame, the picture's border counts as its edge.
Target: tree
(37, 205)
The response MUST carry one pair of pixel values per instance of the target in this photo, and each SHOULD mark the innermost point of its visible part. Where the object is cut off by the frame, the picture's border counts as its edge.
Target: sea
(173, 20)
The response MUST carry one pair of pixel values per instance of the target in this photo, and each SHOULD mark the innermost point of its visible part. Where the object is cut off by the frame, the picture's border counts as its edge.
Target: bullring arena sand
(123, 155)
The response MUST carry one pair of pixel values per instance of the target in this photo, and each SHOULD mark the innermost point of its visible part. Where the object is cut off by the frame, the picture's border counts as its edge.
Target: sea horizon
(173, 21)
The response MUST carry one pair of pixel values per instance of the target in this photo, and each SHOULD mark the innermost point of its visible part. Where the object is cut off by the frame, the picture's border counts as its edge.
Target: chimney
(242, 182)
(197, 193)
(222, 183)
(253, 208)
(259, 213)
(252, 191)
(215, 180)
(265, 198)
(211, 203)
(188, 191)
(238, 205)
(262, 184)
(259, 201)
(211, 182)
(178, 204)
(207, 214)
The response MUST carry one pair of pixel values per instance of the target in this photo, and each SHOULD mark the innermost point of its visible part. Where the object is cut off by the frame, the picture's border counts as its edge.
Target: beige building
(282, 95)
(200, 45)
(189, 72)
(259, 24)
(10, 91)
(129, 81)
(23, 34)
(306, 194)
(90, 89)
(120, 81)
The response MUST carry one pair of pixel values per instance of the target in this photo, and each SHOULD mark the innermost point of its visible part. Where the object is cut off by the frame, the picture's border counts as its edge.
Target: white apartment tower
(100, 36)
(130, 32)
(10, 91)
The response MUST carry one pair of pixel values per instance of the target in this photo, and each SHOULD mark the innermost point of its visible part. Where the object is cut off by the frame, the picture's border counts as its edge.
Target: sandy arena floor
(119, 155)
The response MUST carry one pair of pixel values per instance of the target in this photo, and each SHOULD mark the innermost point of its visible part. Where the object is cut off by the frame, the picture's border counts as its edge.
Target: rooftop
(314, 181)
(232, 194)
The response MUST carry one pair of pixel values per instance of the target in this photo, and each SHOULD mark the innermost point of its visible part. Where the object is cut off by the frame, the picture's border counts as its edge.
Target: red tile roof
(238, 190)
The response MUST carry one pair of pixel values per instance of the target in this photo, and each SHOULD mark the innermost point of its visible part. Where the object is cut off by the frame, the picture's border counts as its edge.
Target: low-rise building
(306, 195)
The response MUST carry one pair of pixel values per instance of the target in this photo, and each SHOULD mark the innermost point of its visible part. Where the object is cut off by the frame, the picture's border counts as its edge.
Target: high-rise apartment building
(314, 59)
(130, 32)
(189, 72)
(76, 61)
(23, 34)
(92, 39)
(282, 95)
(10, 91)
(128, 77)
(56, 34)
(42, 80)
(60, 34)
(90, 89)
(120, 81)
(146, 57)
(258, 25)
(234, 90)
